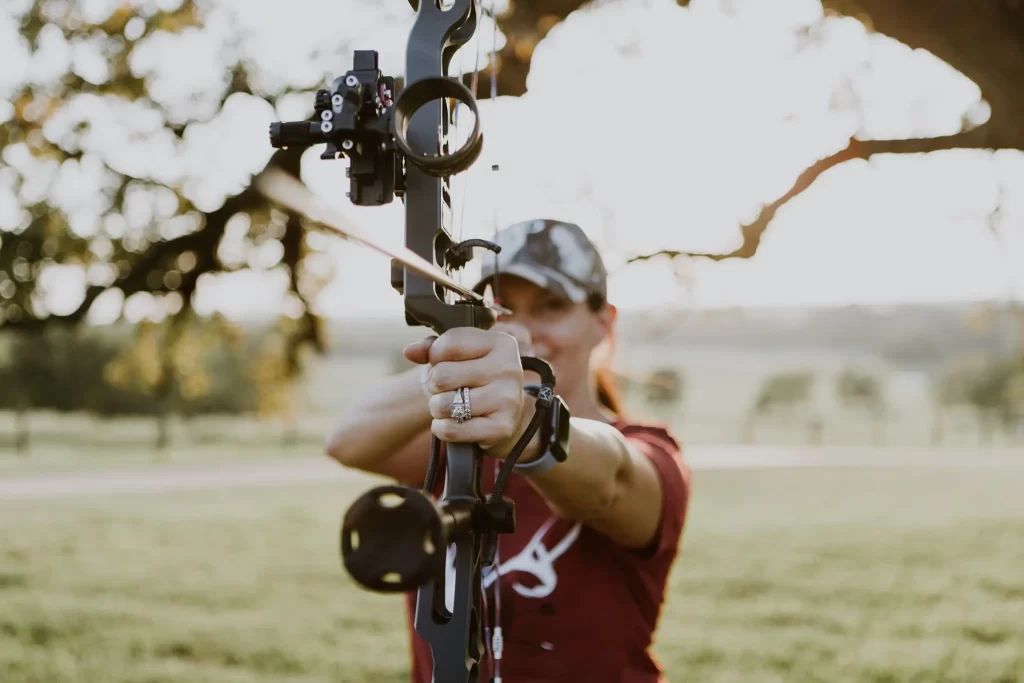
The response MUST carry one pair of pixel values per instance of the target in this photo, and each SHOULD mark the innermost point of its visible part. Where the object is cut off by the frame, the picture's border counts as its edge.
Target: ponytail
(608, 393)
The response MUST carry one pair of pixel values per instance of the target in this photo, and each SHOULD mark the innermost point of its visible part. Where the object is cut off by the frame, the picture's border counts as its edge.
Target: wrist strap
(538, 466)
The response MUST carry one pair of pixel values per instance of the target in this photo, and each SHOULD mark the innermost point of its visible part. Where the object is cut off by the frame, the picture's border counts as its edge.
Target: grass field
(79, 441)
(801, 575)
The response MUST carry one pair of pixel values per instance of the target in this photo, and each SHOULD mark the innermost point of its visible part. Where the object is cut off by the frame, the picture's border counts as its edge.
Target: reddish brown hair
(608, 393)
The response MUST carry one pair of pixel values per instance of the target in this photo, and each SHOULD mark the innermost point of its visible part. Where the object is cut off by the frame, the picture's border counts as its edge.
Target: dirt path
(159, 479)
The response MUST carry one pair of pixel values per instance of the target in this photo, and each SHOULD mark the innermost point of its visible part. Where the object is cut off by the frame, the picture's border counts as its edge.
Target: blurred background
(813, 213)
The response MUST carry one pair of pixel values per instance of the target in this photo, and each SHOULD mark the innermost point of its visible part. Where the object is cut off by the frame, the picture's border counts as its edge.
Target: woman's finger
(466, 343)
(419, 352)
(486, 430)
(449, 376)
(517, 332)
(485, 400)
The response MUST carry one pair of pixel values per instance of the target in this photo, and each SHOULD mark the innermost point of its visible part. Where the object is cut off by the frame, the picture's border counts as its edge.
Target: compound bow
(394, 538)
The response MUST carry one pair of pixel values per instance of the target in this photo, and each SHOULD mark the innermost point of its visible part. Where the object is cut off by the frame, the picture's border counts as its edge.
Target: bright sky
(650, 125)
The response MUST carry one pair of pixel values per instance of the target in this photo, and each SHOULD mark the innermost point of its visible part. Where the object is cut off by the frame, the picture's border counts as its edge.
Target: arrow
(288, 191)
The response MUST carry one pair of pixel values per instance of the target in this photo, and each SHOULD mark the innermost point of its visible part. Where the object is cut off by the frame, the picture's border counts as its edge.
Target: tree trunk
(749, 426)
(22, 430)
(878, 430)
(163, 418)
(938, 436)
(986, 428)
(815, 431)
(290, 435)
(163, 431)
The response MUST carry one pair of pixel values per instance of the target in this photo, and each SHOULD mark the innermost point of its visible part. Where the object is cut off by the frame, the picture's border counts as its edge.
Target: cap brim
(534, 275)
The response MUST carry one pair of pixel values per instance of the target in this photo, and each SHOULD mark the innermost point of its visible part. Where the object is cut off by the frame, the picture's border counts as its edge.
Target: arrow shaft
(290, 192)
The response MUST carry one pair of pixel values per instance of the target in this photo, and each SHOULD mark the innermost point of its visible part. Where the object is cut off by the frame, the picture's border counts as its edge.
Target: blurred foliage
(144, 238)
(272, 368)
(784, 391)
(51, 141)
(859, 389)
(789, 394)
(89, 97)
(664, 386)
(993, 387)
(98, 372)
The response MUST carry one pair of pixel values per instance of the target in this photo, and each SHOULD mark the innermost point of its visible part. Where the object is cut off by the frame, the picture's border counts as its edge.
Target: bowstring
(459, 217)
(494, 636)
(494, 167)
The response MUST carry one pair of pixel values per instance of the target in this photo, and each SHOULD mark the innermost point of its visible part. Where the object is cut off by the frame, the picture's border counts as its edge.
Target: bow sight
(358, 119)
(393, 538)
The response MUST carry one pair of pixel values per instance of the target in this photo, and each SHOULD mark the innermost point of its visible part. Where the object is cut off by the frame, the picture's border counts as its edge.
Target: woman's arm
(387, 430)
(606, 483)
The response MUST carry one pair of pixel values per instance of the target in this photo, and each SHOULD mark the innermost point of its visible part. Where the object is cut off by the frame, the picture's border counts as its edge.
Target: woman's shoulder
(648, 430)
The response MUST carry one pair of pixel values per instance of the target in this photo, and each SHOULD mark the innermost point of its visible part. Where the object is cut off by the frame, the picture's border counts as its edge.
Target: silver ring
(461, 409)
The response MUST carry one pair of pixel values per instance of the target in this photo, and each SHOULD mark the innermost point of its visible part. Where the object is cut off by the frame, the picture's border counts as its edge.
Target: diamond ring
(461, 409)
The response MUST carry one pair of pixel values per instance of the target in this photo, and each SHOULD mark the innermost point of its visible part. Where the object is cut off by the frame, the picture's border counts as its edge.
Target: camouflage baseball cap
(551, 254)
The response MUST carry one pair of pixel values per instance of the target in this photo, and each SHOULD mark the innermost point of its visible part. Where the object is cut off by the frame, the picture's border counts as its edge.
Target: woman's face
(562, 333)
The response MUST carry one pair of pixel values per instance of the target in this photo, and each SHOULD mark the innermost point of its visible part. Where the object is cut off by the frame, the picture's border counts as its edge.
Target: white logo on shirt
(534, 559)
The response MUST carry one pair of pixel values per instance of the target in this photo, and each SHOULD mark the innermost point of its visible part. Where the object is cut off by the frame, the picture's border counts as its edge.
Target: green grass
(842, 575)
(82, 442)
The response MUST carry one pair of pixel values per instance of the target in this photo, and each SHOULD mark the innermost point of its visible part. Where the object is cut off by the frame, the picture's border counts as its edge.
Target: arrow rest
(394, 538)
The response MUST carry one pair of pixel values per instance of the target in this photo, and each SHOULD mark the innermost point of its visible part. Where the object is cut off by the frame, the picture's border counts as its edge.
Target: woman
(578, 588)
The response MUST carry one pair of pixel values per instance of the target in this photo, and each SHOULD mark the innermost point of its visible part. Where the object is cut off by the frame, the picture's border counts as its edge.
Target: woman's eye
(553, 305)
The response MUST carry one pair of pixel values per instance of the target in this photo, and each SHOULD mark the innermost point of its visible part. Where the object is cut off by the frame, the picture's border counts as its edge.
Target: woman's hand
(519, 333)
(487, 362)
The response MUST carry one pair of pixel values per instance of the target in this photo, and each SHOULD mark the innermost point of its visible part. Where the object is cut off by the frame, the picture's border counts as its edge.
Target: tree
(665, 387)
(152, 369)
(990, 387)
(146, 234)
(156, 238)
(787, 394)
(274, 372)
(984, 40)
(27, 369)
(863, 391)
(170, 362)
